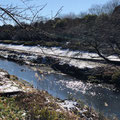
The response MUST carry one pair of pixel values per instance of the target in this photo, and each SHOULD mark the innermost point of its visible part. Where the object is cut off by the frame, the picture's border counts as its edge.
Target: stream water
(63, 86)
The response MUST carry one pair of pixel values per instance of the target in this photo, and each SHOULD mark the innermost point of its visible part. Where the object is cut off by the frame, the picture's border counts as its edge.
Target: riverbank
(81, 65)
(20, 101)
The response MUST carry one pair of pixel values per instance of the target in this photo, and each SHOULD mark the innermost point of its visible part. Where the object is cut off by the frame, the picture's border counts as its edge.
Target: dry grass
(41, 106)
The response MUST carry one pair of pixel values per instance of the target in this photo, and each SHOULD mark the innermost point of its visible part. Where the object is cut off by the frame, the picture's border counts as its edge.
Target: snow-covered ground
(66, 56)
(69, 105)
(74, 106)
(8, 85)
(55, 51)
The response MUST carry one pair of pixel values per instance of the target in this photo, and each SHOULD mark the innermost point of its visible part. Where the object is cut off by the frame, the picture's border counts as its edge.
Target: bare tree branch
(11, 16)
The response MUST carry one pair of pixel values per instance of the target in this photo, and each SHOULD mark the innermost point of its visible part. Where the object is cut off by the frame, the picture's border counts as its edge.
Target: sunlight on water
(62, 86)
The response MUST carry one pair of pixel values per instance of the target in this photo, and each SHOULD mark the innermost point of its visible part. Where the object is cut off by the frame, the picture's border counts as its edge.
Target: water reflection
(62, 86)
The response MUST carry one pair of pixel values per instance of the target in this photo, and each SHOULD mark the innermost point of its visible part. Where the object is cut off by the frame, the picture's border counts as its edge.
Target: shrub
(46, 114)
(116, 78)
(9, 110)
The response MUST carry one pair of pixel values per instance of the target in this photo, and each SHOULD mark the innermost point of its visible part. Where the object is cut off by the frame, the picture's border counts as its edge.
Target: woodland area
(98, 30)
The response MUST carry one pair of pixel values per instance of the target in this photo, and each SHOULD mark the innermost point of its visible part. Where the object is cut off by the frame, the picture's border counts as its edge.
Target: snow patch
(6, 85)
(69, 105)
(65, 56)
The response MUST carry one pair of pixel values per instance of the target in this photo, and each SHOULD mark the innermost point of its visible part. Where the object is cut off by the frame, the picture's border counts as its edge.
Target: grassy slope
(30, 106)
(38, 105)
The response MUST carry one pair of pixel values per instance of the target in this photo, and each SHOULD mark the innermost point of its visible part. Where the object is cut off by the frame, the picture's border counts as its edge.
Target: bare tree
(104, 9)
(110, 6)
(96, 10)
(20, 14)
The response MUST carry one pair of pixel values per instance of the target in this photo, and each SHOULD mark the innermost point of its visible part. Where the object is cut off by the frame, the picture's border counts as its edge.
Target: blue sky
(74, 6)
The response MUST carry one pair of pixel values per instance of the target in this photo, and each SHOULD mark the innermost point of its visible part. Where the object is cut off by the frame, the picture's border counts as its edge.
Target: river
(62, 86)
